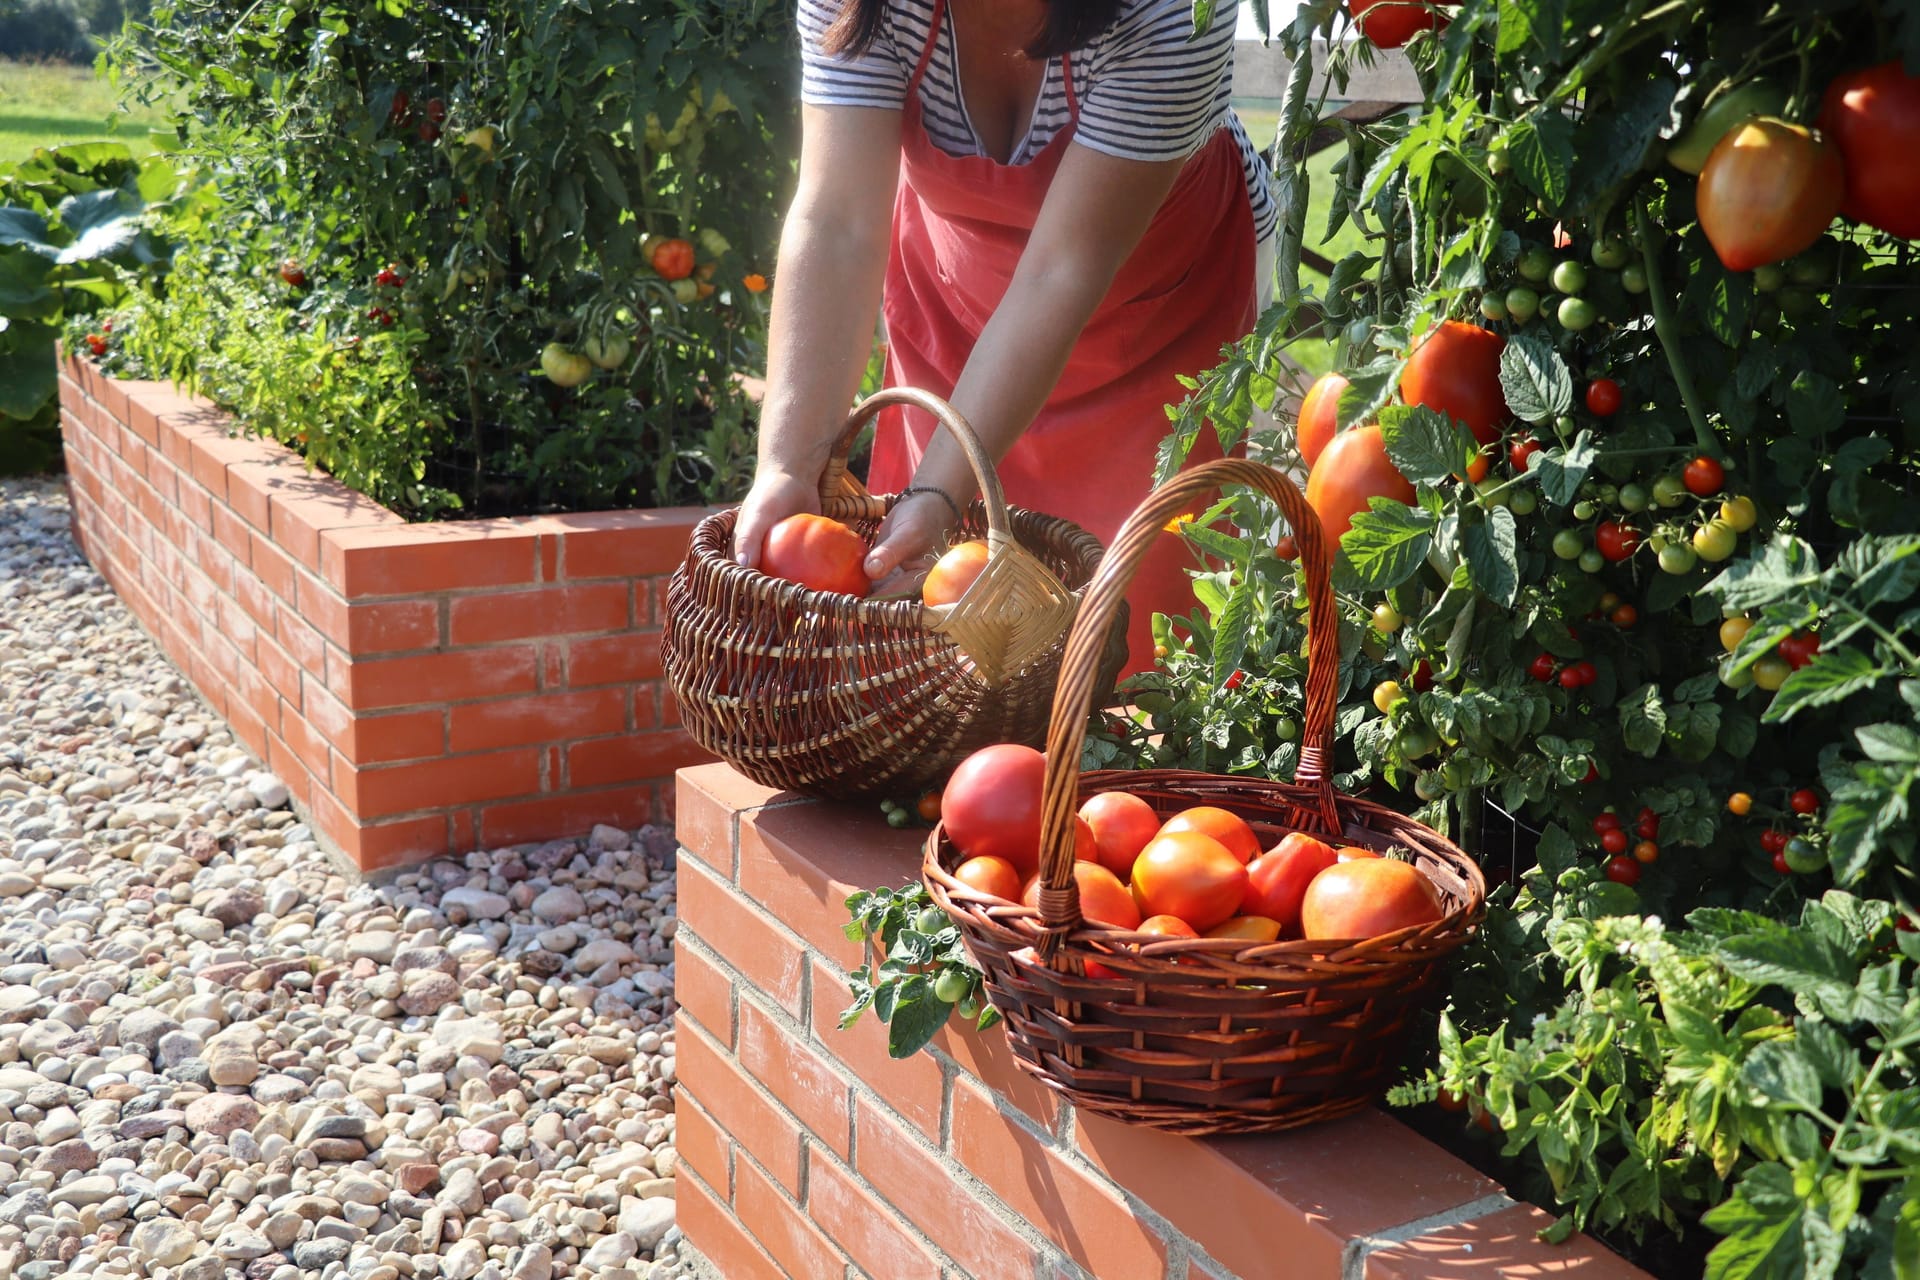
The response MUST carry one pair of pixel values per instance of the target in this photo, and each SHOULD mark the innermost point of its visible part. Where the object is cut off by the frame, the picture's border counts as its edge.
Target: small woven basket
(849, 698)
(1204, 1036)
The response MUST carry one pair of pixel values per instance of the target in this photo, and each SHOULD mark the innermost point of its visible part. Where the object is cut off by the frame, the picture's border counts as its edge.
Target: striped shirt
(1148, 90)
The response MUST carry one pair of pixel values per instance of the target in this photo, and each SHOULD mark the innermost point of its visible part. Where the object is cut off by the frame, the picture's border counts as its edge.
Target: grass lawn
(43, 105)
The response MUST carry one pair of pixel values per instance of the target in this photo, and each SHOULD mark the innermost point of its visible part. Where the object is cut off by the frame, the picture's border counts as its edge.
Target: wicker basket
(848, 698)
(1202, 1036)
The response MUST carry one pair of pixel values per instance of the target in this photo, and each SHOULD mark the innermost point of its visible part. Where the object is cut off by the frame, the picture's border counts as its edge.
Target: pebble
(223, 1059)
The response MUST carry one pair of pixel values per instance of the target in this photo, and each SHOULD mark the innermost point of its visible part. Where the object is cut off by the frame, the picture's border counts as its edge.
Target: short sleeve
(1153, 91)
(875, 78)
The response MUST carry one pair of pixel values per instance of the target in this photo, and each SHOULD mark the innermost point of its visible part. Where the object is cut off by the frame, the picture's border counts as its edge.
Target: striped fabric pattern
(1147, 89)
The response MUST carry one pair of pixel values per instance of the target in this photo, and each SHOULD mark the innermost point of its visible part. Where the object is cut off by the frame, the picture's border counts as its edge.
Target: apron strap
(926, 54)
(1066, 82)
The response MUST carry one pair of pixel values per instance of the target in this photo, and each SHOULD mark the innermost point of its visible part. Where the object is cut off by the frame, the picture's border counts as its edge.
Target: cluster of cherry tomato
(1572, 675)
(1628, 852)
(388, 277)
(1790, 654)
(433, 114)
(926, 810)
(1793, 853)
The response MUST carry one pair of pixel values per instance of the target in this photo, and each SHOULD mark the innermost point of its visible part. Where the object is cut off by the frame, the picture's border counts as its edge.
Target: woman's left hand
(911, 538)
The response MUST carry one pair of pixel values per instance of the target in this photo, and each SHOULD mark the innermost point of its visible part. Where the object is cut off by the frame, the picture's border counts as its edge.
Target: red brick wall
(805, 1148)
(421, 689)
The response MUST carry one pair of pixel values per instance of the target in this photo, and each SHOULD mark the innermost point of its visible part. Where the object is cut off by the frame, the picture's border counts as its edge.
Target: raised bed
(422, 689)
(805, 1148)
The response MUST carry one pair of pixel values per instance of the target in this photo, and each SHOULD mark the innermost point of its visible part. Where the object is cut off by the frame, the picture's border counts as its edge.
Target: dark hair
(1069, 25)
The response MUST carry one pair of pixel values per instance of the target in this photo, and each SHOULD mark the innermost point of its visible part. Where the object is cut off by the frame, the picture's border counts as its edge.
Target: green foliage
(477, 183)
(917, 972)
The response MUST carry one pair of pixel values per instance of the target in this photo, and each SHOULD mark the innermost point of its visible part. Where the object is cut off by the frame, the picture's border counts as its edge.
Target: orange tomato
(1103, 899)
(1353, 469)
(955, 571)
(1167, 927)
(1366, 898)
(1247, 928)
(928, 807)
(1319, 416)
(990, 875)
(1122, 824)
(1278, 880)
(1230, 829)
(1456, 370)
(818, 553)
(1190, 875)
(1085, 847)
(1349, 853)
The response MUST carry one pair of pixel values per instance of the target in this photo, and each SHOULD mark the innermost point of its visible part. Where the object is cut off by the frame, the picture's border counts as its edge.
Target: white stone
(167, 1242)
(477, 903)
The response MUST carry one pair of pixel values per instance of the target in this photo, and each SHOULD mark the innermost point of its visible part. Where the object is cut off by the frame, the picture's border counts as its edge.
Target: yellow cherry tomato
(1739, 513)
(1733, 631)
(1387, 692)
(1739, 804)
(1771, 672)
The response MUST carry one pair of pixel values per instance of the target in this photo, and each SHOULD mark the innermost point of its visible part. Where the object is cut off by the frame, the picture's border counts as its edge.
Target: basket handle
(1073, 698)
(837, 482)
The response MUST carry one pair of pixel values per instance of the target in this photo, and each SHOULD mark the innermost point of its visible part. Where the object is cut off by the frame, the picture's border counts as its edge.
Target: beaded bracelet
(942, 494)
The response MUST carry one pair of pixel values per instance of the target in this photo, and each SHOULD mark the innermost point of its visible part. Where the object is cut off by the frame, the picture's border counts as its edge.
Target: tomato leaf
(1491, 554)
(1541, 147)
(1739, 732)
(1231, 629)
(1815, 406)
(1367, 390)
(1694, 728)
(1383, 547)
(1833, 676)
(1780, 568)
(1561, 470)
(1643, 720)
(1613, 143)
(1773, 1233)
(914, 1023)
(1724, 299)
(1423, 444)
(1782, 1072)
(1534, 378)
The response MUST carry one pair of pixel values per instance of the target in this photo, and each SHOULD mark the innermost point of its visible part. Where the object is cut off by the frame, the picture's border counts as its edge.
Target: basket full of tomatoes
(1198, 953)
(797, 678)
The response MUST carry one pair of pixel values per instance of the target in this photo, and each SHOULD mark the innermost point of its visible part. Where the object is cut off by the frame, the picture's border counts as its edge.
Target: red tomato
(1542, 668)
(293, 273)
(1456, 369)
(1366, 898)
(1122, 825)
(1230, 829)
(1873, 117)
(1477, 467)
(1704, 476)
(1319, 416)
(1605, 822)
(1085, 847)
(1585, 671)
(1167, 927)
(994, 876)
(1103, 899)
(1623, 871)
(1768, 190)
(1278, 880)
(991, 808)
(1391, 23)
(1780, 864)
(1798, 649)
(1646, 851)
(1352, 469)
(953, 573)
(1421, 676)
(1614, 840)
(1190, 875)
(1805, 800)
(1522, 448)
(1285, 548)
(1616, 541)
(673, 259)
(1773, 841)
(1603, 397)
(1247, 928)
(818, 553)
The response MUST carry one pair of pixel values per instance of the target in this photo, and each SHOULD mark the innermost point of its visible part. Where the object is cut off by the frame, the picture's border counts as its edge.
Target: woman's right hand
(774, 496)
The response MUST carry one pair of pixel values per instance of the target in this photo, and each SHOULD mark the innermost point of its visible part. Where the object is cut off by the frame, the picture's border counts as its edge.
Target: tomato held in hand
(1277, 880)
(1456, 370)
(1122, 825)
(818, 553)
(1391, 23)
(1351, 470)
(991, 808)
(1768, 190)
(1319, 416)
(1230, 829)
(953, 573)
(1190, 875)
(1366, 898)
(673, 259)
(1873, 117)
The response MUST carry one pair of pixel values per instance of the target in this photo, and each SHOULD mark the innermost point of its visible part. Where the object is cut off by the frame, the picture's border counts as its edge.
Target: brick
(798, 1074)
(255, 598)
(711, 1228)
(569, 814)
(755, 944)
(373, 848)
(308, 746)
(211, 453)
(987, 1057)
(392, 626)
(230, 531)
(1300, 1195)
(634, 757)
(439, 677)
(857, 1220)
(628, 544)
(554, 611)
(755, 1122)
(776, 1221)
(802, 861)
(1501, 1244)
(913, 1087)
(620, 659)
(703, 989)
(273, 567)
(909, 1176)
(250, 492)
(508, 722)
(548, 557)
(426, 558)
(303, 509)
(303, 642)
(280, 671)
(702, 1144)
(431, 784)
(708, 798)
(1089, 1221)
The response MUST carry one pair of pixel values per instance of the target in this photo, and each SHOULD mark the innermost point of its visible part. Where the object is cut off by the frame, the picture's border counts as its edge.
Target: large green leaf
(1383, 547)
(1534, 378)
(1773, 1232)
(28, 379)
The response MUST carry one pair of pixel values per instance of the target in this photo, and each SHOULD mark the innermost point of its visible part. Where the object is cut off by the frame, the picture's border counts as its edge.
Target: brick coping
(787, 1104)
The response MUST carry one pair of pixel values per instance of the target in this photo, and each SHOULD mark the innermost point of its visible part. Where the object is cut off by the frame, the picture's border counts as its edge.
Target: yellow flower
(1179, 523)
(755, 282)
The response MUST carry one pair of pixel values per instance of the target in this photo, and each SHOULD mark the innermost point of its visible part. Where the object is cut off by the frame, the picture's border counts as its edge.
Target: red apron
(960, 224)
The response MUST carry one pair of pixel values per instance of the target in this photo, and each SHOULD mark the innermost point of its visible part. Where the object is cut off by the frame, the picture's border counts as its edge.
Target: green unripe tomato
(1592, 561)
(930, 920)
(1803, 856)
(1565, 425)
(1669, 490)
(1416, 740)
(1677, 558)
(1498, 161)
(1568, 544)
(1569, 277)
(1535, 263)
(1286, 728)
(1634, 497)
(1523, 304)
(1493, 306)
(1490, 493)
(1608, 494)
(898, 818)
(1583, 510)
(1429, 784)
(1387, 619)
(1372, 645)
(951, 985)
(1611, 251)
(1741, 679)
(1359, 332)
(1689, 149)
(1523, 502)
(1815, 265)
(1798, 303)
(1769, 277)
(1575, 314)
(1633, 278)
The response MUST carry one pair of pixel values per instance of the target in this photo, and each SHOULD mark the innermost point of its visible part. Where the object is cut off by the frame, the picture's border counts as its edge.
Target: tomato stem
(1665, 328)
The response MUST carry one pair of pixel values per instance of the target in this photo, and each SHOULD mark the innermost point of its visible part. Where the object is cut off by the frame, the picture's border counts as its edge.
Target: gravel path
(222, 1058)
